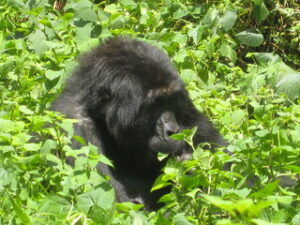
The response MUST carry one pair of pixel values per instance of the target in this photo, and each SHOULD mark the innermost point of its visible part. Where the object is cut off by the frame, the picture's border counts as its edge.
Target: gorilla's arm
(207, 133)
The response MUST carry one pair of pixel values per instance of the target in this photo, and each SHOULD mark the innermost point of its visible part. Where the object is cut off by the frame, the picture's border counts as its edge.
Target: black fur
(129, 99)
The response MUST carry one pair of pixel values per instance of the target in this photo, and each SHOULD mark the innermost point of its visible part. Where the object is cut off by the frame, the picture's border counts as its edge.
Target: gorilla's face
(147, 120)
(165, 126)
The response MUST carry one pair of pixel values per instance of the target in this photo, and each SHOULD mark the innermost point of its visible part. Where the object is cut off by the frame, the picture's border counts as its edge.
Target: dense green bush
(240, 62)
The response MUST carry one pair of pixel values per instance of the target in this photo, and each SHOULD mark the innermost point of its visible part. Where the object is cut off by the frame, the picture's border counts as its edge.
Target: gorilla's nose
(172, 129)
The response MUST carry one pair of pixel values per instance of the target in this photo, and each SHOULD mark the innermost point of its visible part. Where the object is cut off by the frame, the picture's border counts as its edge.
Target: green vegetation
(240, 62)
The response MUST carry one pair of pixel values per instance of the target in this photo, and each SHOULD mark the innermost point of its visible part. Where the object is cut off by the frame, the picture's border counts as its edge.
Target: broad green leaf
(55, 204)
(258, 2)
(105, 160)
(159, 183)
(87, 14)
(128, 206)
(262, 133)
(20, 211)
(84, 202)
(81, 4)
(260, 12)
(55, 160)
(48, 146)
(290, 85)
(51, 74)
(83, 33)
(103, 196)
(265, 191)
(188, 75)
(287, 200)
(6, 125)
(296, 219)
(138, 218)
(227, 51)
(203, 73)
(180, 13)
(180, 38)
(241, 193)
(265, 57)
(295, 169)
(210, 47)
(32, 146)
(25, 110)
(238, 116)
(20, 139)
(263, 222)
(128, 3)
(87, 45)
(5, 138)
(228, 20)
(38, 42)
(179, 219)
(217, 201)
(67, 125)
(68, 16)
(250, 38)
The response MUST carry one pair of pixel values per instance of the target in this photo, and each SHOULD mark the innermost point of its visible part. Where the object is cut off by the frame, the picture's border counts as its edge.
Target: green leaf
(128, 3)
(84, 202)
(264, 58)
(293, 168)
(265, 191)
(262, 222)
(20, 139)
(290, 85)
(188, 75)
(179, 219)
(20, 211)
(38, 42)
(55, 204)
(128, 206)
(8, 125)
(203, 73)
(227, 51)
(138, 218)
(103, 196)
(51, 74)
(83, 33)
(260, 12)
(257, 2)
(250, 39)
(228, 20)
(287, 200)
(48, 146)
(105, 160)
(67, 125)
(87, 14)
(25, 110)
(238, 116)
(296, 219)
(32, 147)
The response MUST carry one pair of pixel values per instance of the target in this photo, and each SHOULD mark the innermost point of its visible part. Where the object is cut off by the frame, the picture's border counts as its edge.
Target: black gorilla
(129, 99)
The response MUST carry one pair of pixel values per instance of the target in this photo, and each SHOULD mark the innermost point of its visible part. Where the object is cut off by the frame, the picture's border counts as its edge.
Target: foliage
(240, 62)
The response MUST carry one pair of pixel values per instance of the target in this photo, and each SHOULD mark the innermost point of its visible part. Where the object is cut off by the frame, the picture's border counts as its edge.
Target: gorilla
(129, 100)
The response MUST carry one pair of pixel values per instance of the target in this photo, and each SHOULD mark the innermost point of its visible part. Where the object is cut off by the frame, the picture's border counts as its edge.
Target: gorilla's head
(137, 97)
